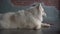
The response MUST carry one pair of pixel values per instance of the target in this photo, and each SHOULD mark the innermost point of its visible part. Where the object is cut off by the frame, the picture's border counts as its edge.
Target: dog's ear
(38, 6)
(41, 9)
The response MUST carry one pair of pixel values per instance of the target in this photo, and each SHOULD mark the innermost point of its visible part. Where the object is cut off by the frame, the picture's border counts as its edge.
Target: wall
(28, 2)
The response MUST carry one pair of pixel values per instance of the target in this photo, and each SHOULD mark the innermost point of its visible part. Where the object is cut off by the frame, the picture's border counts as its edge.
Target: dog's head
(35, 9)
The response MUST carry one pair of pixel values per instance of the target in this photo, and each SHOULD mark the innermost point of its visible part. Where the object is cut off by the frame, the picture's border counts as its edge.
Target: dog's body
(28, 19)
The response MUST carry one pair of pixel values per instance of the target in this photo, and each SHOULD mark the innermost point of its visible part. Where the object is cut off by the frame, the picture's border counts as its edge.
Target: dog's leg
(45, 25)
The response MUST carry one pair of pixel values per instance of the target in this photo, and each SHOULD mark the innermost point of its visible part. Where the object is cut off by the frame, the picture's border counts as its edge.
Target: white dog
(28, 19)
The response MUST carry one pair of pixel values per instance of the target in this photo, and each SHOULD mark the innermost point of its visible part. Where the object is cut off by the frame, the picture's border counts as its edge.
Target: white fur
(29, 19)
